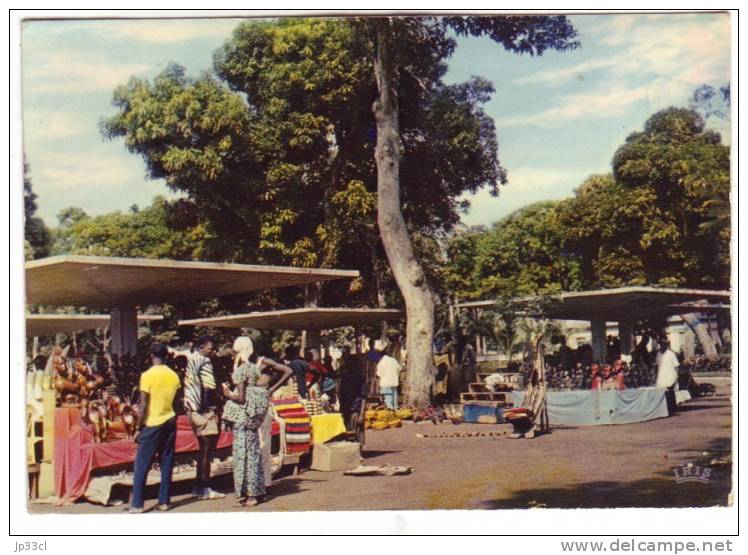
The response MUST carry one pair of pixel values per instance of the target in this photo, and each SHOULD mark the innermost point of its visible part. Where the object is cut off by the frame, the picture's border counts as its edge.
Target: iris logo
(692, 473)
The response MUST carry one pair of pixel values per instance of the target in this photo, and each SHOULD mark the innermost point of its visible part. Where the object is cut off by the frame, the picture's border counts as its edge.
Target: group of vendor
(653, 363)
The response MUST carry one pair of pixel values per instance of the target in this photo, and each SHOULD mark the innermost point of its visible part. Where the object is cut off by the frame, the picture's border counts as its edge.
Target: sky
(559, 117)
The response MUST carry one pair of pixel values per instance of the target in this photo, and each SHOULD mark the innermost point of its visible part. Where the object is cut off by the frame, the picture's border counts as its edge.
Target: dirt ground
(597, 466)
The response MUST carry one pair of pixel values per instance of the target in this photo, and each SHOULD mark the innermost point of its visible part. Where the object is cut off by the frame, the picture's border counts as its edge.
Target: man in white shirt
(388, 372)
(667, 373)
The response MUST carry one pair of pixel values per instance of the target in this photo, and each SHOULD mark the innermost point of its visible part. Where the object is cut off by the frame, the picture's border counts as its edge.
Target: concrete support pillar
(626, 337)
(123, 328)
(313, 340)
(478, 337)
(689, 344)
(597, 331)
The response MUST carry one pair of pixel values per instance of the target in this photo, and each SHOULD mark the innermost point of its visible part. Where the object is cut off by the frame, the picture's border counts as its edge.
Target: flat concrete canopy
(623, 303)
(106, 281)
(310, 318)
(50, 324)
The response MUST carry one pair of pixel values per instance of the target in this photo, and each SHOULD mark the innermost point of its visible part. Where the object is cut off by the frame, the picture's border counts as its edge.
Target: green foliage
(522, 254)
(673, 174)
(661, 218)
(37, 236)
(147, 233)
(531, 35)
(512, 324)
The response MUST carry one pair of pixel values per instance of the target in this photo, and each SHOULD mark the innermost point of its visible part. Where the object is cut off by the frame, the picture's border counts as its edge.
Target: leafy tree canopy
(152, 232)
(661, 218)
(275, 151)
(519, 255)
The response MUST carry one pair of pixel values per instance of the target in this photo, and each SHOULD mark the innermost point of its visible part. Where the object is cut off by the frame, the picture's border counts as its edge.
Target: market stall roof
(106, 281)
(623, 303)
(50, 324)
(310, 318)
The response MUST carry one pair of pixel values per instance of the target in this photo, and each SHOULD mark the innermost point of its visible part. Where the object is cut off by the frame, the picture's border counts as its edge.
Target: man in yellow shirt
(157, 428)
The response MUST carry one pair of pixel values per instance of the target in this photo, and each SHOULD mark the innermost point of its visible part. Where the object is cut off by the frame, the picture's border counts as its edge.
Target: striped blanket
(298, 424)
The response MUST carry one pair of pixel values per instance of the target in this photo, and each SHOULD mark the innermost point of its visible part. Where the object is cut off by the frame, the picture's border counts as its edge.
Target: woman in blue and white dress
(246, 410)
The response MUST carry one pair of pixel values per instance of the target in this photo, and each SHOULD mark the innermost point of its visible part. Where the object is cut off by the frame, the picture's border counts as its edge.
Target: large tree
(654, 221)
(276, 152)
(399, 46)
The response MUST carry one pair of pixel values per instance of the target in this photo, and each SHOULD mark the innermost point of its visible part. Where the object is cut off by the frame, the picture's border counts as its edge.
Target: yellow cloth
(327, 426)
(291, 406)
(161, 384)
(300, 420)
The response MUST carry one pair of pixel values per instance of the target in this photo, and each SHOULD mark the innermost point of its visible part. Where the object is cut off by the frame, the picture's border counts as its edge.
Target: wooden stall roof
(106, 281)
(623, 303)
(310, 318)
(50, 324)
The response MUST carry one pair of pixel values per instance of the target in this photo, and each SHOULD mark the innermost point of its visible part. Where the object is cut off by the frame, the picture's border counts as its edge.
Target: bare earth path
(597, 466)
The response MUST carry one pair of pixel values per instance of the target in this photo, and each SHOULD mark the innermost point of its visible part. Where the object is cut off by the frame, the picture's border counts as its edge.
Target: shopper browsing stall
(157, 428)
(202, 403)
(299, 367)
(388, 372)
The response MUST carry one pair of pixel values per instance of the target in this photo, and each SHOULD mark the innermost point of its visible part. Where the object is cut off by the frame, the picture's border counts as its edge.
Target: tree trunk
(405, 267)
(381, 297)
(700, 329)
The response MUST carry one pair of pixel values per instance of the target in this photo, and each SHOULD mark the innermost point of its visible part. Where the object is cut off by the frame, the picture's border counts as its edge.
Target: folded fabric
(518, 410)
(518, 415)
(304, 420)
(297, 428)
(298, 438)
(297, 424)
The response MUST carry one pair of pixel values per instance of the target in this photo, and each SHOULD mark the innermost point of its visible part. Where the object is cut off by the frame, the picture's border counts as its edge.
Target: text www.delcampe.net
(647, 546)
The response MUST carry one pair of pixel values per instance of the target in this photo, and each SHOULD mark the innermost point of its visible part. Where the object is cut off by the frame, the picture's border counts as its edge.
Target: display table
(76, 455)
(327, 426)
(598, 407)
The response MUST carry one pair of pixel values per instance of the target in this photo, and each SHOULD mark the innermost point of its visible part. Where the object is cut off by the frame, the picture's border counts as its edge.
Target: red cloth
(319, 368)
(76, 456)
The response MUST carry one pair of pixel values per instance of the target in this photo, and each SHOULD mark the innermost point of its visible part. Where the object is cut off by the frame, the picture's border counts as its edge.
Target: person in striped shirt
(202, 403)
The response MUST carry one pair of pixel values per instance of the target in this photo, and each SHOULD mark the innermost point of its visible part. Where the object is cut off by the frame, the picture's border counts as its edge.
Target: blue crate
(482, 414)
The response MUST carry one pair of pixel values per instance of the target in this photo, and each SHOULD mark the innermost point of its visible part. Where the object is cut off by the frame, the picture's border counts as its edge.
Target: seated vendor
(597, 380)
(619, 374)
(608, 379)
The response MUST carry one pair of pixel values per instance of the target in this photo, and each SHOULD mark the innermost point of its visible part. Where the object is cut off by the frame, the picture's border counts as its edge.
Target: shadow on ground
(660, 491)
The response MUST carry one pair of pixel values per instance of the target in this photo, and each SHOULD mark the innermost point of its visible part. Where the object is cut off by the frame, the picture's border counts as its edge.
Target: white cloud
(164, 31)
(560, 75)
(594, 104)
(61, 172)
(659, 59)
(75, 72)
(49, 125)
(526, 185)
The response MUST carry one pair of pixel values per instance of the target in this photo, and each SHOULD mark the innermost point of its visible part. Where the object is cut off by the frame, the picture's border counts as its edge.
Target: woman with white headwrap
(247, 410)
(243, 349)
